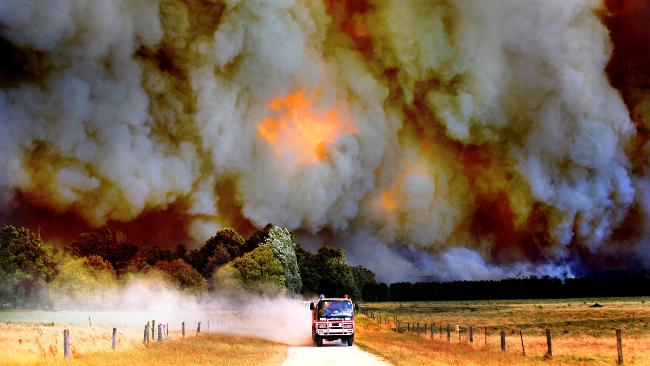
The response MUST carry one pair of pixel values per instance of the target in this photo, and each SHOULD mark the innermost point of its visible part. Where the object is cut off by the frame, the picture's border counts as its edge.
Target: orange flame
(298, 131)
(387, 202)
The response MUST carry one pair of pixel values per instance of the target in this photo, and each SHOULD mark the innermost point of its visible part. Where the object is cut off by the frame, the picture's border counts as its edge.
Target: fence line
(415, 328)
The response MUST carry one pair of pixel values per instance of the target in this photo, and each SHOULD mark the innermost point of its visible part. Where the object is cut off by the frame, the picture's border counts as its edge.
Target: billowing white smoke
(132, 105)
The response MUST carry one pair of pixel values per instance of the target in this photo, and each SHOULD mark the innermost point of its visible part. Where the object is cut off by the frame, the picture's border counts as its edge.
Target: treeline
(510, 289)
(32, 272)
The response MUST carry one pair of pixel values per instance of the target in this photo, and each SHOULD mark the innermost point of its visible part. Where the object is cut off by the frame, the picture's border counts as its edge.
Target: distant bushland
(512, 288)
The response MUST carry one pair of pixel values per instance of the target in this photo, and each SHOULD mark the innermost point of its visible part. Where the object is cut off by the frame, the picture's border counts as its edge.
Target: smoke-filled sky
(453, 139)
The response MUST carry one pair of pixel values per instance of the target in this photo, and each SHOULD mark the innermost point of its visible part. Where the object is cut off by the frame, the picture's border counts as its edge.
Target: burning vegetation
(451, 139)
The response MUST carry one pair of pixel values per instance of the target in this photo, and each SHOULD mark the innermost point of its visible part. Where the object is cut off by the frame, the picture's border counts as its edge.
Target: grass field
(582, 334)
(23, 344)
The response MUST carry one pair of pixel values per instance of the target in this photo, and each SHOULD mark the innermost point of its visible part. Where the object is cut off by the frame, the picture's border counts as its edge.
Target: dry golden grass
(581, 335)
(43, 345)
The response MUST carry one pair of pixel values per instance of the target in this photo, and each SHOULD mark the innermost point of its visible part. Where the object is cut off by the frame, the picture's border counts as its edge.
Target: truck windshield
(334, 309)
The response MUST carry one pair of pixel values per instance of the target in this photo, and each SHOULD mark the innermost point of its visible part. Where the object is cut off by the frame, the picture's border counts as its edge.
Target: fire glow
(299, 131)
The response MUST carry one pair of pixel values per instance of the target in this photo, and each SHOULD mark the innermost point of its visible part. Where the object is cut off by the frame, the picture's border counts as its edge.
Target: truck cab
(332, 319)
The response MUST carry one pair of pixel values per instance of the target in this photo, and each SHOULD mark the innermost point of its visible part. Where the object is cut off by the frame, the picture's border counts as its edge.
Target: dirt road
(333, 353)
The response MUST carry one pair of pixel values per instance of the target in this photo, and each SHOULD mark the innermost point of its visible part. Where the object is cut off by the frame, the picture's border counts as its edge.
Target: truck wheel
(319, 341)
(350, 340)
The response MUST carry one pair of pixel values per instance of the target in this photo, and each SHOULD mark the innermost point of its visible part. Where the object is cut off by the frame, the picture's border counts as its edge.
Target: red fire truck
(332, 319)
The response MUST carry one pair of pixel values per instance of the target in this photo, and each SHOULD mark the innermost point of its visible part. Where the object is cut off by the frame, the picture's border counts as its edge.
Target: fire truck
(332, 319)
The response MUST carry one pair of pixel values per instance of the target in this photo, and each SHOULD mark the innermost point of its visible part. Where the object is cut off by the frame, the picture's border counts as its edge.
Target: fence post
(458, 329)
(153, 330)
(114, 343)
(471, 334)
(619, 346)
(549, 344)
(89, 323)
(503, 340)
(66, 344)
(159, 332)
(183, 329)
(433, 330)
(418, 328)
(448, 332)
(146, 333)
(523, 349)
(408, 326)
(198, 328)
(425, 329)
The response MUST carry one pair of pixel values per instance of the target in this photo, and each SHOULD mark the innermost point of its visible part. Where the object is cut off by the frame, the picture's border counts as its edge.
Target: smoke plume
(503, 137)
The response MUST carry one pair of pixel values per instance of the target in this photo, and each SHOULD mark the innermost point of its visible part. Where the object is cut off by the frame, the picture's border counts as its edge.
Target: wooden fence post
(549, 344)
(159, 332)
(458, 329)
(146, 334)
(523, 349)
(167, 331)
(619, 346)
(503, 340)
(448, 332)
(425, 328)
(408, 326)
(471, 334)
(433, 330)
(153, 330)
(66, 344)
(183, 329)
(418, 328)
(198, 328)
(89, 323)
(114, 343)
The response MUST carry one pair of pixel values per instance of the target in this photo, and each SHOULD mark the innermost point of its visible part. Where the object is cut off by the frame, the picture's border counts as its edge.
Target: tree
(112, 247)
(309, 270)
(26, 265)
(98, 263)
(363, 277)
(258, 237)
(337, 278)
(224, 246)
(281, 242)
(83, 281)
(154, 254)
(183, 275)
(260, 269)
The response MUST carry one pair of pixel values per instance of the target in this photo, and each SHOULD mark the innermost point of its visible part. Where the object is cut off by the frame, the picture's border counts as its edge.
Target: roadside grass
(582, 335)
(92, 347)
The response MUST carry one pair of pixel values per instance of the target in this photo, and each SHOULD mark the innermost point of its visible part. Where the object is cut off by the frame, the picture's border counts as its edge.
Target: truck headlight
(348, 326)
